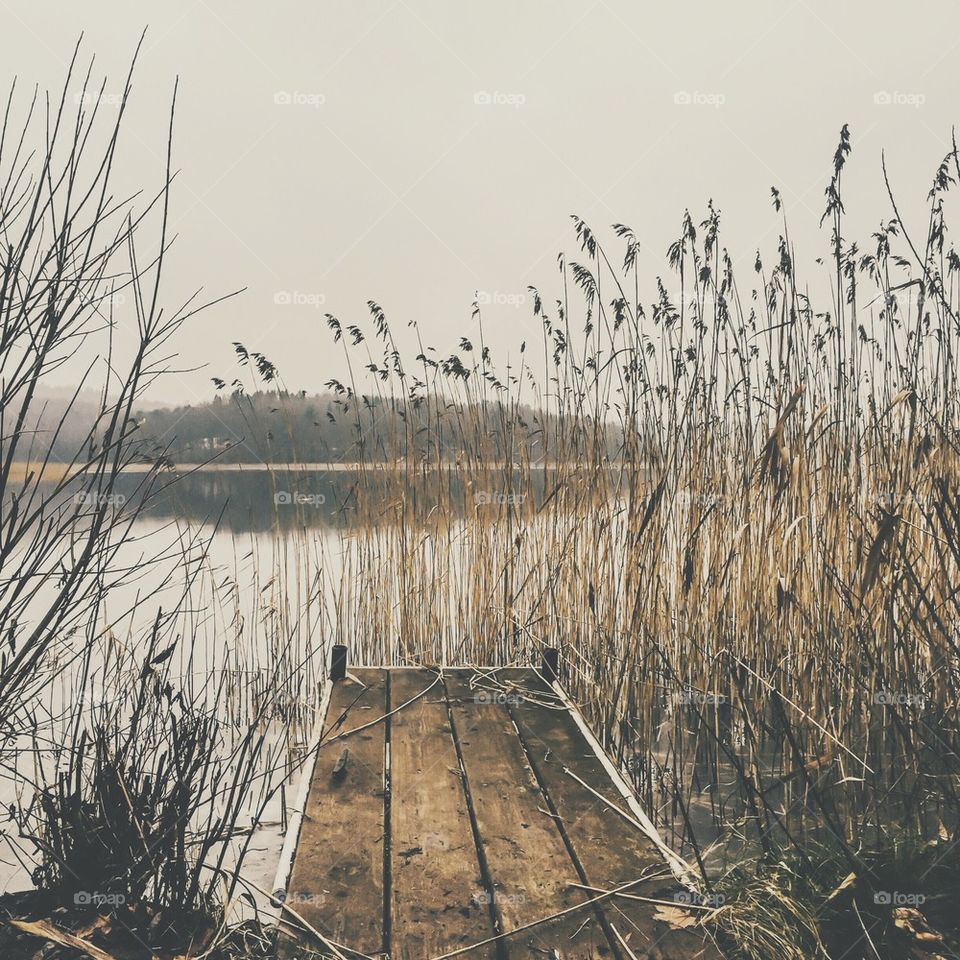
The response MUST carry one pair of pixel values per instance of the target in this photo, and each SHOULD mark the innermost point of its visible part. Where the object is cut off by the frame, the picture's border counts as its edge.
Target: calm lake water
(242, 522)
(257, 500)
(262, 532)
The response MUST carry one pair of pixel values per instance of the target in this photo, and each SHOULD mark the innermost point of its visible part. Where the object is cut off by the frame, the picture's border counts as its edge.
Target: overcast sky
(415, 152)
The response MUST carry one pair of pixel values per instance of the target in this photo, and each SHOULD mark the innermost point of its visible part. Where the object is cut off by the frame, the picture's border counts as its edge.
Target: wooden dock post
(550, 664)
(338, 662)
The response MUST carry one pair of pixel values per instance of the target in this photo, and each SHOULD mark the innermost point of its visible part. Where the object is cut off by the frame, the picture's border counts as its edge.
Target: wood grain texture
(468, 852)
(438, 902)
(610, 851)
(529, 866)
(337, 879)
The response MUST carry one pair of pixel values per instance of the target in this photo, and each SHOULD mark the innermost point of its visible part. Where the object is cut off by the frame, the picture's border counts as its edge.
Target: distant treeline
(280, 427)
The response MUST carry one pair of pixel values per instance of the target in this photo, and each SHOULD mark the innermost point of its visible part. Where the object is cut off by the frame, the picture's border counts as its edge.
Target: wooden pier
(471, 813)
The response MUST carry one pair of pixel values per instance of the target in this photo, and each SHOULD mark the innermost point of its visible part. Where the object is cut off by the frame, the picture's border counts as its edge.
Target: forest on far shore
(277, 426)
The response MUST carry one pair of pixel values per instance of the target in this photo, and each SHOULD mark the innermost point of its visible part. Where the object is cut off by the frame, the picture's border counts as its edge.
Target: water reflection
(260, 501)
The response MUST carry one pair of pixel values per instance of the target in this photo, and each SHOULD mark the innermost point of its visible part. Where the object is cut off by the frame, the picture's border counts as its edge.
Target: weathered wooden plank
(528, 863)
(337, 879)
(434, 864)
(610, 851)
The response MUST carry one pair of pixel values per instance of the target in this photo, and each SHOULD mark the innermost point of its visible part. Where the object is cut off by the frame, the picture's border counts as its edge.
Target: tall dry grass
(734, 511)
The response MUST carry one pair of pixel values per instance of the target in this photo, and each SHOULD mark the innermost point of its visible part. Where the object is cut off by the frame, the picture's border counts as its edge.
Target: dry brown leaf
(47, 931)
(677, 917)
(913, 922)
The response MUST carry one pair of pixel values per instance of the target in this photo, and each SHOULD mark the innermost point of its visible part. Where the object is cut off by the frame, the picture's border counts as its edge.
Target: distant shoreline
(57, 471)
